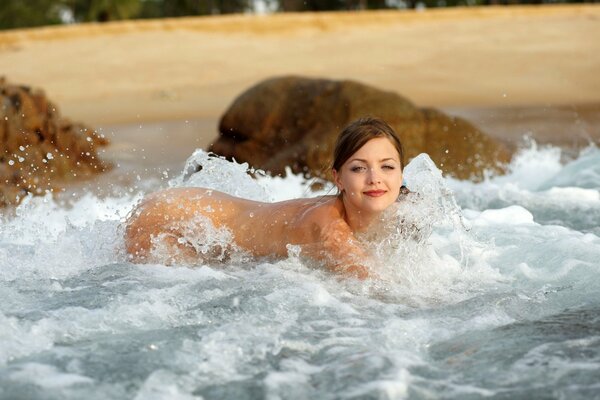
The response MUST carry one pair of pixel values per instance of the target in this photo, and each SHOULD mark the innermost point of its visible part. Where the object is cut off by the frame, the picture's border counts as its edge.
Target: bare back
(261, 229)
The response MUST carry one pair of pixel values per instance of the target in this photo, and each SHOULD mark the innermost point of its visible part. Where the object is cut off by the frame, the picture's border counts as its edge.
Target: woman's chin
(376, 207)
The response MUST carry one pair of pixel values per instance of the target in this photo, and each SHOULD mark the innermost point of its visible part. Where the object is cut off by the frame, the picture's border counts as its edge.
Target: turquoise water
(492, 292)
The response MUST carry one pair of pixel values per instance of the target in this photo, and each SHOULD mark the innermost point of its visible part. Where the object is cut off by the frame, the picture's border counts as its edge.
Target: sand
(158, 87)
(192, 68)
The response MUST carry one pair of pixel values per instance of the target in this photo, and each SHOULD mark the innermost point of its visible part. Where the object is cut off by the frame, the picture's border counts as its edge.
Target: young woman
(367, 170)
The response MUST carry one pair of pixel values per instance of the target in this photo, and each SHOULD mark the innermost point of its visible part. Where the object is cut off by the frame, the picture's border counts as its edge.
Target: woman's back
(262, 229)
(177, 225)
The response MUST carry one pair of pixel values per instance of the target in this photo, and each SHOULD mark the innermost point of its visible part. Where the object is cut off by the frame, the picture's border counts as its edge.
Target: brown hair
(357, 133)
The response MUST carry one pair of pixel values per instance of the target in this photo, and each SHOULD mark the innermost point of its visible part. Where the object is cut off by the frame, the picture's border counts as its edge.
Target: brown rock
(40, 150)
(294, 121)
(459, 148)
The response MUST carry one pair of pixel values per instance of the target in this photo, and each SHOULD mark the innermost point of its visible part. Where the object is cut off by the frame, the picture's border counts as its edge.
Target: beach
(483, 289)
(192, 68)
(161, 85)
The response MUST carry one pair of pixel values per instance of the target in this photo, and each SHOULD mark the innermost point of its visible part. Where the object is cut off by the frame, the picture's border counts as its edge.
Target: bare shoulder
(324, 211)
(321, 215)
(325, 219)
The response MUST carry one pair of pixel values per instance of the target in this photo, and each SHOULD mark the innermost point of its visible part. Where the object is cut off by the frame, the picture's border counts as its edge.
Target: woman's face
(371, 178)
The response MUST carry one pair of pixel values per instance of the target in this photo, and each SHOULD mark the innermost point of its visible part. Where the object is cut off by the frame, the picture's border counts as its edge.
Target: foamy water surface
(487, 289)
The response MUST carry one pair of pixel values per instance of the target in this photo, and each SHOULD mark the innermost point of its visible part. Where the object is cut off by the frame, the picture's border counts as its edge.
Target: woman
(367, 170)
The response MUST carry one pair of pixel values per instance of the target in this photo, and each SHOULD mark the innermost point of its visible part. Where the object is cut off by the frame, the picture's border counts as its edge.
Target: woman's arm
(342, 251)
(333, 244)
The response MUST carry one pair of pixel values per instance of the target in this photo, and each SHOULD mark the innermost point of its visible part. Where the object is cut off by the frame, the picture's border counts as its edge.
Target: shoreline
(289, 21)
(571, 127)
(167, 144)
(194, 67)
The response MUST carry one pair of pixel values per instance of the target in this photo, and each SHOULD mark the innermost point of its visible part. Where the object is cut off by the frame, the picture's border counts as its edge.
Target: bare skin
(262, 229)
(369, 182)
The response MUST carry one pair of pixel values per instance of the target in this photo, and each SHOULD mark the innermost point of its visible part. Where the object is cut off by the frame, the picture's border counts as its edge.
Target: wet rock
(460, 149)
(40, 150)
(294, 121)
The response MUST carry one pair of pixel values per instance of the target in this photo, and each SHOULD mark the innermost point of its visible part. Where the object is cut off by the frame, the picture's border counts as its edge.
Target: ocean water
(486, 290)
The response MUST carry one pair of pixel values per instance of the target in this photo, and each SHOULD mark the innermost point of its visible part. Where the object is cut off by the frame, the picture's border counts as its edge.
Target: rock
(39, 149)
(460, 149)
(294, 121)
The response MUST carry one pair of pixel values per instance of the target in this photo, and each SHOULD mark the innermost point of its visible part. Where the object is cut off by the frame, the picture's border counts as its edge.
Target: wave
(487, 289)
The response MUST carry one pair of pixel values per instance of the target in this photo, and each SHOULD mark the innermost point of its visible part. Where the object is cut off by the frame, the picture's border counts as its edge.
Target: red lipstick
(375, 193)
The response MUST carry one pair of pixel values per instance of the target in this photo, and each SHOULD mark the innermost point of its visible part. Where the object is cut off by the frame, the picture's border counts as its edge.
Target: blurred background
(502, 301)
(30, 13)
(154, 79)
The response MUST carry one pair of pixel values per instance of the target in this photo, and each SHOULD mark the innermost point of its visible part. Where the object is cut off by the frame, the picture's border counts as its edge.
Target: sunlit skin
(369, 182)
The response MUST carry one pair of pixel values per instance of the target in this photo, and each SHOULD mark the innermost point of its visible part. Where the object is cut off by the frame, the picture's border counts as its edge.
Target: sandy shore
(192, 68)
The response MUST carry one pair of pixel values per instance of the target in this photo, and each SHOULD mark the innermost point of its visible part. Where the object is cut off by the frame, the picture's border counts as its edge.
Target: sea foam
(485, 289)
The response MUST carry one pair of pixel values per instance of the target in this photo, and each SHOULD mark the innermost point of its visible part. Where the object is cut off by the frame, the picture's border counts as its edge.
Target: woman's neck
(358, 220)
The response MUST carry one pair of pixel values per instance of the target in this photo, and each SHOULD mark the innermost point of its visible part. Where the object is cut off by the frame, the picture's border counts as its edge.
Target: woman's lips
(374, 193)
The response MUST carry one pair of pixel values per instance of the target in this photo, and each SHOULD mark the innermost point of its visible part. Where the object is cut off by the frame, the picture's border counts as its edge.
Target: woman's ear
(337, 180)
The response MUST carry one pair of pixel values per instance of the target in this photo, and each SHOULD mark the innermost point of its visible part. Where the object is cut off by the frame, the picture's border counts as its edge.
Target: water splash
(493, 276)
(210, 171)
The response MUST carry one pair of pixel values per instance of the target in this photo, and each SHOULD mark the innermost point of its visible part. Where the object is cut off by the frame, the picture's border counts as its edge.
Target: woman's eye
(357, 169)
(389, 167)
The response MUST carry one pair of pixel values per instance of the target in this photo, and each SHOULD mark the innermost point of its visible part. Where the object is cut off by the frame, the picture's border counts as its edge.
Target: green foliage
(179, 8)
(28, 13)
(19, 13)
(312, 5)
(104, 10)
(330, 5)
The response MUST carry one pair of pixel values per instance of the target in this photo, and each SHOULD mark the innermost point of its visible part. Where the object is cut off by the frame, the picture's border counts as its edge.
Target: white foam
(47, 376)
(313, 293)
(573, 195)
(481, 256)
(162, 385)
(206, 170)
(532, 166)
(513, 215)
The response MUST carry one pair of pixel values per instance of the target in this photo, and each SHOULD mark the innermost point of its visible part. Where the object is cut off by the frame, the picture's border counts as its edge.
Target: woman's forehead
(380, 148)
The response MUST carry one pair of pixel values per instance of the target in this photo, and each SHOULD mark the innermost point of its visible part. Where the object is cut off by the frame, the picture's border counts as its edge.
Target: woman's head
(367, 166)
(357, 134)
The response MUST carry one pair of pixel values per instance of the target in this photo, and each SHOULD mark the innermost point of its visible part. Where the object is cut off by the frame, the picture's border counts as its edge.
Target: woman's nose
(374, 176)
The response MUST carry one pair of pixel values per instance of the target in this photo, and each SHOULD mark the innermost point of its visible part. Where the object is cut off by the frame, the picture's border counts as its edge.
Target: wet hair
(357, 134)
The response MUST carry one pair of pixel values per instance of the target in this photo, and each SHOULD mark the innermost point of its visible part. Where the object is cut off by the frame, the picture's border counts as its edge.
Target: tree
(180, 8)
(19, 13)
(330, 5)
(104, 10)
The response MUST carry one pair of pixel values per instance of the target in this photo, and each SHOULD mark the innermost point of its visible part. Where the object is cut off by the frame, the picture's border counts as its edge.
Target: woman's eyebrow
(382, 160)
